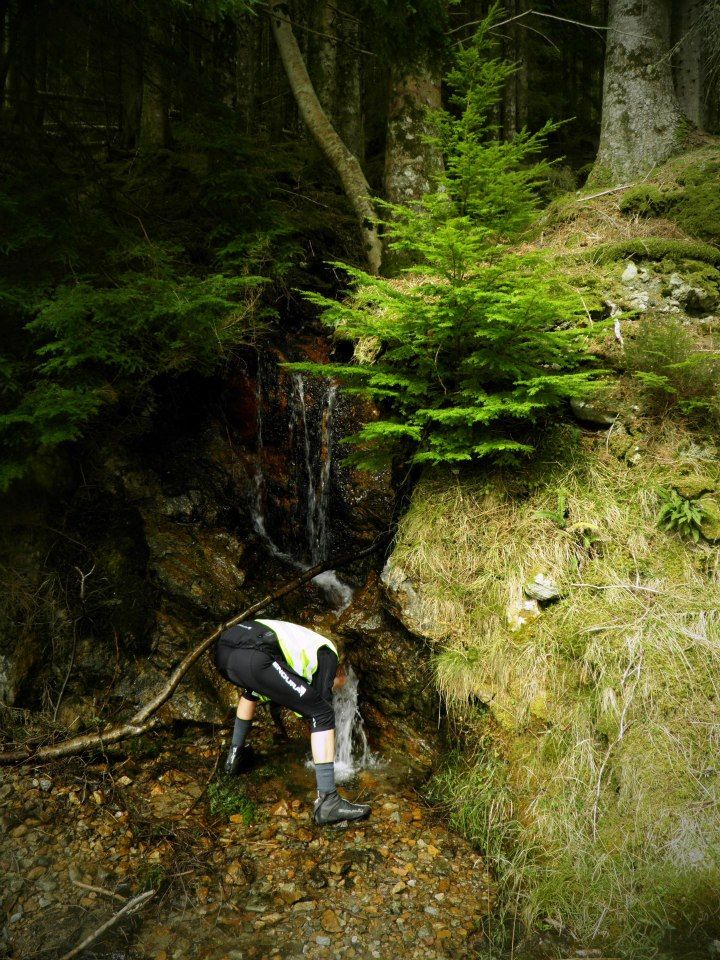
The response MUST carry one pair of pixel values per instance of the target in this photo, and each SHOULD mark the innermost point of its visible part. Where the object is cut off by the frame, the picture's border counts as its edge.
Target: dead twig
(132, 906)
(102, 890)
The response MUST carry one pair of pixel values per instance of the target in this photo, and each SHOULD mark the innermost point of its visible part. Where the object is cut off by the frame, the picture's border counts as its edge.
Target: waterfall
(352, 753)
(318, 491)
(309, 438)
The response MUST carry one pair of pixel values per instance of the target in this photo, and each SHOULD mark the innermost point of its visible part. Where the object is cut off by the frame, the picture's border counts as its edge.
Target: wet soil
(239, 868)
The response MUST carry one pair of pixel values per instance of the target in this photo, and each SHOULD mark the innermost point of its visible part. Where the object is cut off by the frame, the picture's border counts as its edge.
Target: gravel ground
(262, 881)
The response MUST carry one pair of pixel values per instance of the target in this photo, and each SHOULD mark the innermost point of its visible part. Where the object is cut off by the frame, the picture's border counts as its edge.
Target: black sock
(325, 776)
(240, 732)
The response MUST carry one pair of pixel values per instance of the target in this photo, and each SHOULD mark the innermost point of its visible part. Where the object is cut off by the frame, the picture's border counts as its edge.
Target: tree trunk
(154, 127)
(688, 60)
(327, 57)
(131, 79)
(641, 119)
(348, 92)
(246, 68)
(510, 95)
(410, 162)
(322, 131)
(523, 73)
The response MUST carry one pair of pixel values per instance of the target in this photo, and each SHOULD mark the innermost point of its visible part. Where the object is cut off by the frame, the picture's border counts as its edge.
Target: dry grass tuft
(605, 709)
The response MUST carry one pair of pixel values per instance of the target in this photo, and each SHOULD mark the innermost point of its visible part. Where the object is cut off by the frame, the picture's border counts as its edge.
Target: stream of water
(315, 442)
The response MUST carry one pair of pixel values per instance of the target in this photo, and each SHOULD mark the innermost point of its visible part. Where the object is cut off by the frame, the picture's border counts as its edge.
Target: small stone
(399, 886)
(629, 273)
(330, 922)
(432, 911)
(323, 941)
(542, 588)
(594, 413)
(45, 784)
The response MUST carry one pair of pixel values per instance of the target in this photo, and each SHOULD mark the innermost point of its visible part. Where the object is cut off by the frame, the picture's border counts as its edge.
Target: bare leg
(246, 709)
(322, 745)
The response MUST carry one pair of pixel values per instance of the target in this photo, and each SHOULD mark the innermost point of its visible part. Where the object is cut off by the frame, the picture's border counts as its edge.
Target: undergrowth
(595, 792)
(228, 797)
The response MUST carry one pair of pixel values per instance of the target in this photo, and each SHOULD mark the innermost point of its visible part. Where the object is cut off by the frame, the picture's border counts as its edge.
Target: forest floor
(261, 881)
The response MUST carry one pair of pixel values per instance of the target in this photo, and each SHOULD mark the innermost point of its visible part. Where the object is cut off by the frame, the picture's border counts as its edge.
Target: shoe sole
(342, 824)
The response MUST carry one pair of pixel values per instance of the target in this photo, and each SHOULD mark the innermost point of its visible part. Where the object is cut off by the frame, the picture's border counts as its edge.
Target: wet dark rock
(199, 566)
(397, 697)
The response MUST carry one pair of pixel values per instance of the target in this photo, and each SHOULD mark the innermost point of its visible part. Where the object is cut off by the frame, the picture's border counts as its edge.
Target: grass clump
(228, 797)
(601, 729)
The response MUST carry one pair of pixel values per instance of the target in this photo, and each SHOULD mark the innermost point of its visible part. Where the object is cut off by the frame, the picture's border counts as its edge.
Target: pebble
(396, 887)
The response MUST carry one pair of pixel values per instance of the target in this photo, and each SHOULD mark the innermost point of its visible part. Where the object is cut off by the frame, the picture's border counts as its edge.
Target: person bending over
(293, 667)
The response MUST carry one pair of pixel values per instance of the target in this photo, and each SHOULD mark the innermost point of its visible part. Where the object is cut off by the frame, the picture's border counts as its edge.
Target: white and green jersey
(299, 646)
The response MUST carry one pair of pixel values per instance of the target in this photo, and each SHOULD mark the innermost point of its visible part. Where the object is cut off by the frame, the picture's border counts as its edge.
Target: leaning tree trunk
(322, 131)
(641, 119)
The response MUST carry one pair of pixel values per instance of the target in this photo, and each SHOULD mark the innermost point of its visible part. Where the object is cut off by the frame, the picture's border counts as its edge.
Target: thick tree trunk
(322, 131)
(154, 126)
(641, 119)
(688, 61)
(410, 162)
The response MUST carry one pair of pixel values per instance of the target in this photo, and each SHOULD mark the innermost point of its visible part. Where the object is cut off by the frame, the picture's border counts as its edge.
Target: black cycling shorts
(256, 669)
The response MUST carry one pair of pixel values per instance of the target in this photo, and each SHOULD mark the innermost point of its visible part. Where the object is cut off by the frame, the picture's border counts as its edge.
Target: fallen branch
(102, 890)
(132, 906)
(602, 193)
(144, 720)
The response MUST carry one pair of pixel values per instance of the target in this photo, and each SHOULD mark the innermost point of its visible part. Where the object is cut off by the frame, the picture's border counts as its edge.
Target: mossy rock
(646, 200)
(693, 201)
(696, 208)
(710, 524)
(695, 485)
(655, 248)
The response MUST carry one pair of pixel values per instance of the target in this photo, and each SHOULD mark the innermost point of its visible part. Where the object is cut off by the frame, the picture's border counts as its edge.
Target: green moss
(696, 208)
(654, 248)
(645, 200)
(691, 198)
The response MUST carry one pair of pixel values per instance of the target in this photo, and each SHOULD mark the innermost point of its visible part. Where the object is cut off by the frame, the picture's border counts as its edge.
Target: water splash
(352, 753)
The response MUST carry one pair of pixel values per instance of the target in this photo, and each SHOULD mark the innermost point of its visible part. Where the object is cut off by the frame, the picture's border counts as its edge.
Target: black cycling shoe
(332, 808)
(239, 760)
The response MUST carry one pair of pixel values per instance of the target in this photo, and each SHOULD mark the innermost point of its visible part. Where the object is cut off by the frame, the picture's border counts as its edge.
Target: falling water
(351, 747)
(316, 483)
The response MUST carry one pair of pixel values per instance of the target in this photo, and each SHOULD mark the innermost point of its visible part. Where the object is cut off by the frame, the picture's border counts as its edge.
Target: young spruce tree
(476, 342)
